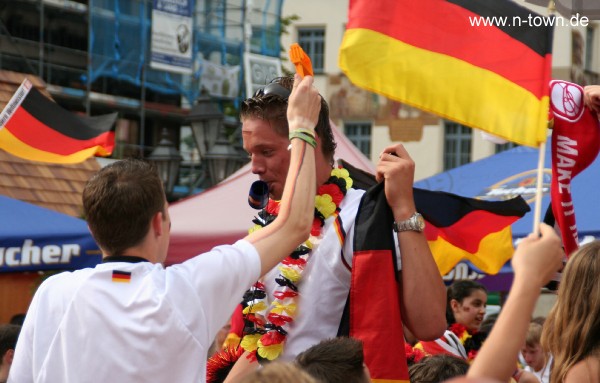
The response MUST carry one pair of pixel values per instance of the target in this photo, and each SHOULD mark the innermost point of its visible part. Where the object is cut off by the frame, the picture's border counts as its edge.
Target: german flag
(35, 128)
(459, 227)
(121, 276)
(483, 63)
(466, 228)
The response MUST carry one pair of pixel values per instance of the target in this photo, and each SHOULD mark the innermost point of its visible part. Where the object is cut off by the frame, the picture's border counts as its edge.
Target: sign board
(172, 30)
(219, 80)
(259, 71)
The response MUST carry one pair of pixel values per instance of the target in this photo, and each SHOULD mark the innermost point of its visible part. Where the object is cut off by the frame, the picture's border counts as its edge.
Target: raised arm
(535, 261)
(293, 224)
(420, 279)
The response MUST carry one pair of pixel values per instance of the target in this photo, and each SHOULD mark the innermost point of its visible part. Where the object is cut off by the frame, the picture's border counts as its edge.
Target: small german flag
(36, 129)
(121, 276)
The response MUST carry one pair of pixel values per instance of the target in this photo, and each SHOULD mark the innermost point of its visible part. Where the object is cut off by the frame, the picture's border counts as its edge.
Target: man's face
(268, 152)
(534, 356)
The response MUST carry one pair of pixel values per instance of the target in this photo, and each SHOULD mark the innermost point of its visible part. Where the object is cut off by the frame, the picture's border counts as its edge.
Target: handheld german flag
(481, 63)
(35, 128)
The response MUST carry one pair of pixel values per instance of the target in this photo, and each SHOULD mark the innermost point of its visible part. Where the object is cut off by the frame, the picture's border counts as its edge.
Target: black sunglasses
(274, 89)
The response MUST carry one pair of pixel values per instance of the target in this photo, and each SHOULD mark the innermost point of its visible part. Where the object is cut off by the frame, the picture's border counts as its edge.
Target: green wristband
(304, 137)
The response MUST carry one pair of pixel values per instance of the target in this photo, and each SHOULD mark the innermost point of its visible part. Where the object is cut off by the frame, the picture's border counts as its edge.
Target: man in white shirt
(131, 320)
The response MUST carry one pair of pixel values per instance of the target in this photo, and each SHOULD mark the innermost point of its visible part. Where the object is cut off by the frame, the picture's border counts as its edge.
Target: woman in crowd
(571, 332)
(465, 309)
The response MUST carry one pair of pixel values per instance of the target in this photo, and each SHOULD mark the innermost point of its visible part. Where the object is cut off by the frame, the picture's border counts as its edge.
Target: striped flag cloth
(483, 63)
(35, 128)
(466, 228)
(460, 227)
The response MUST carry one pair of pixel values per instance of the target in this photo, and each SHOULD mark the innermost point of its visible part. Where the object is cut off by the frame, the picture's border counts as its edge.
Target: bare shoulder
(588, 370)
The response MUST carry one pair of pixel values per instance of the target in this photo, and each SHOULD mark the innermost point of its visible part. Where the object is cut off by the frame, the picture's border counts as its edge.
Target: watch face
(420, 222)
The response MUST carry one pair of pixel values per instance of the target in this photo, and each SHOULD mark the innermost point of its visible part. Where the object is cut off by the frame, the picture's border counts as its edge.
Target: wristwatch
(414, 223)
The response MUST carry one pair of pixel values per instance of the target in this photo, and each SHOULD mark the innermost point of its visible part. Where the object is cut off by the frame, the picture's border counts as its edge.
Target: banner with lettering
(575, 145)
(33, 238)
(172, 35)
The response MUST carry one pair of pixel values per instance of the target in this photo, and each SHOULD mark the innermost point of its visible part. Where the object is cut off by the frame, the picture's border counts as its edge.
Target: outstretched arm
(421, 289)
(535, 261)
(292, 225)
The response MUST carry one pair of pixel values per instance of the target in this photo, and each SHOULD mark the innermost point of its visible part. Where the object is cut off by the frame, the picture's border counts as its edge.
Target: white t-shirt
(543, 375)
(156, 326)
(325, 283)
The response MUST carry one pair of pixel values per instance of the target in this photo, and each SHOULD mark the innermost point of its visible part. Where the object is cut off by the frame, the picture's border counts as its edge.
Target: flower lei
(266, 326)
(471, 341)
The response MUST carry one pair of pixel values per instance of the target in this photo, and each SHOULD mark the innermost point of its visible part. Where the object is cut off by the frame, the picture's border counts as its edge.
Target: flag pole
(537, 213)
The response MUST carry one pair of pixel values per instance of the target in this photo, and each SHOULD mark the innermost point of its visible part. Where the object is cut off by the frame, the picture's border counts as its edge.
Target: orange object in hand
(300, 60)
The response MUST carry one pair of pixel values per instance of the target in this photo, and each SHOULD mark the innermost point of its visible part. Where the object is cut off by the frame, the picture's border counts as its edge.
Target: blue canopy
(513, 172)
(506, 175)
(34, 238)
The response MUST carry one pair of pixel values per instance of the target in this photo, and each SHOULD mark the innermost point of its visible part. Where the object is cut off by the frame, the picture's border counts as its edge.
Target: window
(457, 144)
(360, 135)
(312, 41)
(589, 48)
(503, 147)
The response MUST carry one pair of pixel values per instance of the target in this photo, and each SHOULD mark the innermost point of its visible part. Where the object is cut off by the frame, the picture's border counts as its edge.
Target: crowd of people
(305, 276)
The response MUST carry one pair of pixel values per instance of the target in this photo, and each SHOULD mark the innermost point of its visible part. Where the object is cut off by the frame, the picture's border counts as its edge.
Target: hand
(591, 97)
(398, 169)
(538, 258)
(304, 104)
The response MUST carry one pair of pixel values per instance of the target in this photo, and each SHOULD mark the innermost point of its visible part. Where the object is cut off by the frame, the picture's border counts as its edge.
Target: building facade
(435, 145)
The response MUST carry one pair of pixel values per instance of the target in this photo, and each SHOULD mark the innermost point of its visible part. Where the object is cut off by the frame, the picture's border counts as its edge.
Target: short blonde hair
(534, 334)
(279, 372)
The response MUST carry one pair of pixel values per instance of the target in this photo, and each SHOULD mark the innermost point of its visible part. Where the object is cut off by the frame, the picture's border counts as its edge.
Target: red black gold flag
(467, 228)
(483, 63)
(459, 227)
(35, 128)
(121, 276)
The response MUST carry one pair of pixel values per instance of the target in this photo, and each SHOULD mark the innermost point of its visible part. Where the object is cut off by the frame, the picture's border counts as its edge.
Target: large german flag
(459, 227)
(466, 228)
(483, 63)
(37, 129)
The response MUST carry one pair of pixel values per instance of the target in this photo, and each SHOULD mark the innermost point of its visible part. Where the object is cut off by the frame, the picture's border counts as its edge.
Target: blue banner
(33, 238)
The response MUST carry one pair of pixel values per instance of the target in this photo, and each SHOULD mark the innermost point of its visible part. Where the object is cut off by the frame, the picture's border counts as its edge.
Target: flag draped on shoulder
(35, 128)
(466, 228)
(477, 62)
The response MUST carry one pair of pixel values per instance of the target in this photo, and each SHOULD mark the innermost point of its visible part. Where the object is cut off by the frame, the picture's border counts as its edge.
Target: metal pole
(143, 95)
(88, 82)
(41, 46)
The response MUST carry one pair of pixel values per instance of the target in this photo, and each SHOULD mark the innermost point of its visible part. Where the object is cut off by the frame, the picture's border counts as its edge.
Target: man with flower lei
(300, 302)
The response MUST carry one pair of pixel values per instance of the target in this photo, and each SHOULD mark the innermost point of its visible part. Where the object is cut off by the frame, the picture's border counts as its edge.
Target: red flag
(575, 145)
(37, 129)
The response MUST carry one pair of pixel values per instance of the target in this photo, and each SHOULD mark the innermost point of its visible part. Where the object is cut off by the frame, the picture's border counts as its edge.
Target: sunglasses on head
(274, 89)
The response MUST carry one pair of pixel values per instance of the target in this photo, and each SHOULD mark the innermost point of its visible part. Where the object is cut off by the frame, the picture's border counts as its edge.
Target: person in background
(130, 319)
(279, 372)
(437, 368)
(535, 261)
(9, 333)
(538, 362)
(571, 333)
(336, 360)
(465, 309)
